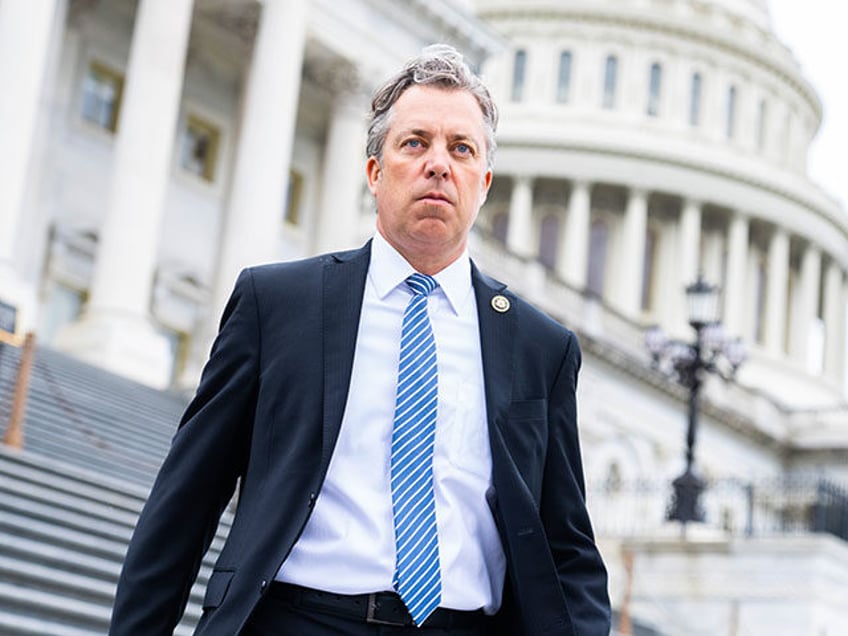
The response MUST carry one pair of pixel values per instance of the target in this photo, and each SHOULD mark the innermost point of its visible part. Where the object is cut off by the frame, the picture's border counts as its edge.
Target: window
(762, 114)
(564, 78)
(760, 291)
(598, 239)
(64, 305)
(518, 72)
(610, 81)
(549, 240)
(102, 90)
(178, 345)
(731, 112)
(199, 152)
(695, 100)
(654, 85)
(294, 194)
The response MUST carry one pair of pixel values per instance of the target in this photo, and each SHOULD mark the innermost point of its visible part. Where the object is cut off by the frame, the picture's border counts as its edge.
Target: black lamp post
(711, 352)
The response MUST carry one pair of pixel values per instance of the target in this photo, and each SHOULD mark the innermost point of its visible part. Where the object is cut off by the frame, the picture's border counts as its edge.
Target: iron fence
(789, 505)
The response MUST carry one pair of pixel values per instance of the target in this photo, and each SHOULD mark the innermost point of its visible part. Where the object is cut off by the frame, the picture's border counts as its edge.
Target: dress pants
(278, 617)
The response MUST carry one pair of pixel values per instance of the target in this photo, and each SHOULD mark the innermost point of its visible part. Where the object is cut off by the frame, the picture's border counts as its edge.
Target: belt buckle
(371, 615)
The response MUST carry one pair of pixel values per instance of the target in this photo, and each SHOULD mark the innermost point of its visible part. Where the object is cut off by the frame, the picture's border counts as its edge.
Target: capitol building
(152, 149)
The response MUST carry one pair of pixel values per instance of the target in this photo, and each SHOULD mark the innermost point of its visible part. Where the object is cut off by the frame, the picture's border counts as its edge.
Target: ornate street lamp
(711, 352)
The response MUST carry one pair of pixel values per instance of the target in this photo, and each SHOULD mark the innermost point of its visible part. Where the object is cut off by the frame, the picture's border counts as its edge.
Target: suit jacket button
(312, 498)
(263, 585)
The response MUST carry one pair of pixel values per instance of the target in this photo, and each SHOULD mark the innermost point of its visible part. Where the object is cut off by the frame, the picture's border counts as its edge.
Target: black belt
(380, 608)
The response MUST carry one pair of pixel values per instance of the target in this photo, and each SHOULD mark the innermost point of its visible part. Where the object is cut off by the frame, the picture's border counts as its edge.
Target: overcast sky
(817, 32)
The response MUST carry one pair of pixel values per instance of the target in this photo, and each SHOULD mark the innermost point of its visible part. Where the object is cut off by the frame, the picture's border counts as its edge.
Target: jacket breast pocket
(526, 437)
(216, 588)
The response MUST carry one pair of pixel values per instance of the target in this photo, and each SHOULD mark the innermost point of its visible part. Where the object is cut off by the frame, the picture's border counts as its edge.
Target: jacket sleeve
(563, 509)
(197, 479)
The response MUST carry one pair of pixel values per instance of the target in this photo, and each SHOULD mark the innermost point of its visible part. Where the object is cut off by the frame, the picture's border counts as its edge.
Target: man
(402, 428)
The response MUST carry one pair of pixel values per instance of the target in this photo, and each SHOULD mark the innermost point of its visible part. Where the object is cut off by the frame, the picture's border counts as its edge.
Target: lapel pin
(500, 304)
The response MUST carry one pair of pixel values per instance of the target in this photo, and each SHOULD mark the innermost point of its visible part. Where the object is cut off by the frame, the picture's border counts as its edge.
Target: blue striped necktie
(417, 577)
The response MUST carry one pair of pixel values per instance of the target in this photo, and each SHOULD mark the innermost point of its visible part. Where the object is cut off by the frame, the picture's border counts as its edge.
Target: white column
(25, 29)
(254, 215)
(341, 182)
(688, 260)
(834, 321)
(115, 331)
(519, 236)
(778, 282)
(260, 175)
(807, 310)
(573, 263)
(633, 253)
(735, 275)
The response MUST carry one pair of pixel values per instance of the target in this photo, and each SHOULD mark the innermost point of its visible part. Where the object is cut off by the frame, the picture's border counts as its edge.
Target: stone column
(116, 331)
(834, 321)
(254, 216)
(633, 253)
(519, 236)
(342, 174)
(688, 260)
(735, 275)
(25, 29)
(777, 285)
(807, 306)
(573, 263)
(260, 175)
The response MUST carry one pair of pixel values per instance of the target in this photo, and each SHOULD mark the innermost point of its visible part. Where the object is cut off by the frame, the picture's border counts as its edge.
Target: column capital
(338, 76)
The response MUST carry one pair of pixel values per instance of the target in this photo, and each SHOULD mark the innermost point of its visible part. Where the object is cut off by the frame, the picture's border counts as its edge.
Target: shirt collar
(389, 268)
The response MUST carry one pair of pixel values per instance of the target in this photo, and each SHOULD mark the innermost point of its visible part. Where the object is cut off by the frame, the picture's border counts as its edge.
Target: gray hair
(438, 65)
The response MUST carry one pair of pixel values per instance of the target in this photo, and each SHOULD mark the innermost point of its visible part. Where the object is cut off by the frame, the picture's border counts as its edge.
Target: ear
(485, 185)
(373, 171)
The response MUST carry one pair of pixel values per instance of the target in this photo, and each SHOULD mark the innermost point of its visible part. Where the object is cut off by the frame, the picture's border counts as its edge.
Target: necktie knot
(421, 284)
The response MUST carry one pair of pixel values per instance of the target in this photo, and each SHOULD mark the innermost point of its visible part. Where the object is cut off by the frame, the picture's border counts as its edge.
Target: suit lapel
(497, 331)
(344, 282)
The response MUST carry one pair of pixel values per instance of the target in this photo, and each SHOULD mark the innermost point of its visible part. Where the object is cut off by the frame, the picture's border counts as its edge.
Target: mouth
(434, 196)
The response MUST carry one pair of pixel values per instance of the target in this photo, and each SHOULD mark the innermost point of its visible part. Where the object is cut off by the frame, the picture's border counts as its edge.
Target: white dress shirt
(347, 546)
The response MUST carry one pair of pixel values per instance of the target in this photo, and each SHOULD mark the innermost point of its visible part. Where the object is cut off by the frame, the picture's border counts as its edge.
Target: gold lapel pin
(500, 304)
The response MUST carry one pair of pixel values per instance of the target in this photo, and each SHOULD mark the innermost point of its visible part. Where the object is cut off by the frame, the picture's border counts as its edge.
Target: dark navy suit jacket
(267, 412)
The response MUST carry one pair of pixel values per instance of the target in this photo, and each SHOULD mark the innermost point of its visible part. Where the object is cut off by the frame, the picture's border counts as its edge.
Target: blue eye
(413, 143)
(463, 149)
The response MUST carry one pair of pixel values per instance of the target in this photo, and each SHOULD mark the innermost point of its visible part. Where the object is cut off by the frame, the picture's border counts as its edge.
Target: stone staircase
(70, 499)
(63, 534)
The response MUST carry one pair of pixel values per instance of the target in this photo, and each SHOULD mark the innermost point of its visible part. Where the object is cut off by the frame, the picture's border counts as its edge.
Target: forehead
(432, 108)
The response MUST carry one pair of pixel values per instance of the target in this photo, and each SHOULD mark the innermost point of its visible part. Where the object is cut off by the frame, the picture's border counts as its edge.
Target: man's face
(433, 177)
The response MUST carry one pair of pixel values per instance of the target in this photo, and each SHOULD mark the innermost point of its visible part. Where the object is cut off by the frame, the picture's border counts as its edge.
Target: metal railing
(734, 508)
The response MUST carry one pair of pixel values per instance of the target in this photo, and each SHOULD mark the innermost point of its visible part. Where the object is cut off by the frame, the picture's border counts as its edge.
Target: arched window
(695, 100)
(654, 86)
(731, 112)
(610, 81)
(519, 70)
(598, 240)
(564, 77)
(549, 240)
(500, 225)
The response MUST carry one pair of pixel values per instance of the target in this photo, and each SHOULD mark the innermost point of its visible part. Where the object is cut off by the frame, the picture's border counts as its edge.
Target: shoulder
(301, 271)
(531, 319)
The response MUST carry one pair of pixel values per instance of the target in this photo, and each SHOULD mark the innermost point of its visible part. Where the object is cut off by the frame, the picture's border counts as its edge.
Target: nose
(438, 164)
